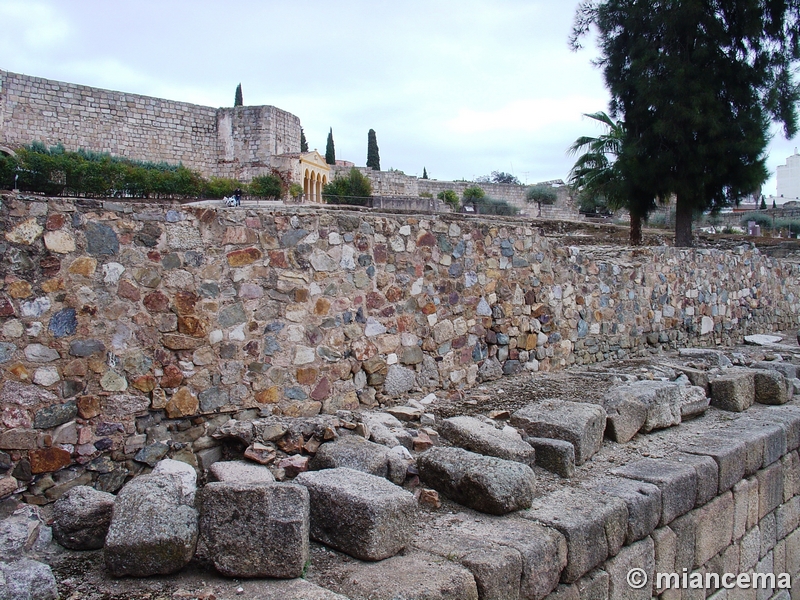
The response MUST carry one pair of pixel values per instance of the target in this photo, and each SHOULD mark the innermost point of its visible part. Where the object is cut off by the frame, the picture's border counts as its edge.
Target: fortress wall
(125, 315)
(227, 142)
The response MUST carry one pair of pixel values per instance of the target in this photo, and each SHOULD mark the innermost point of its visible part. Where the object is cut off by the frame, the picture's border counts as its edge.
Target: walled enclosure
(217, 142)
(112, 312)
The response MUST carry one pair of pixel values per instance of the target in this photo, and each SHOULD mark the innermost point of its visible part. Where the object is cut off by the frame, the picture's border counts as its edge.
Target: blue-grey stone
(274, 326)
(137, 363)
(232, 315)
(271, 346)
(104, 428)
(456, 269)
(171, 261)
(212, 398)
(209, 289)
(519, 263)
(510, 367)
(151, 454)
(365, 260)
(502, 339)
(444, 244)
(508, 252)
(173, 216)
(371, 271)
(458, 250)
(328, 354)
(479, 353)
(294, 393)
(82, 348)
(55, 415)
(291, 238)
(71, 387)
(7, 351)
(583, 328)
(101, 240)
(193, 259)
(63, 323)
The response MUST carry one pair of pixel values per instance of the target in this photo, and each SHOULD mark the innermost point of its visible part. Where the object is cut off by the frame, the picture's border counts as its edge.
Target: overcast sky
(462, 88)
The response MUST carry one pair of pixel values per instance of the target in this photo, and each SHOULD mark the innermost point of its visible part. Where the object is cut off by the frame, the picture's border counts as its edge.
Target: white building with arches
(308, 169)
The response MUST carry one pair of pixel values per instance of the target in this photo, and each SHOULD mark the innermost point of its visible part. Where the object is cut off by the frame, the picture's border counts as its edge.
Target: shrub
(472, 194)
(764, 220)
(267, 186)
(295, 190)
(354, 189)
(220, 187)
(493, 206)
(8, 168)
(449, 197)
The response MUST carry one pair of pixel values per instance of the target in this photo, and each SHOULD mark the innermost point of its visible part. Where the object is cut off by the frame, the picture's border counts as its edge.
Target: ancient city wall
(122, 316)
(225, 142)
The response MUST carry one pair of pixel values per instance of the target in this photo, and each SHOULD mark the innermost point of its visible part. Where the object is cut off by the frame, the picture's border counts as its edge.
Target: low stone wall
(131, 327)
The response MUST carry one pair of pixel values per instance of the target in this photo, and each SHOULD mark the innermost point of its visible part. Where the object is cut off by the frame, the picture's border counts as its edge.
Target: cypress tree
(330, 152)
(238, 101)
(373, 158)
(424, 173)
(303, 141)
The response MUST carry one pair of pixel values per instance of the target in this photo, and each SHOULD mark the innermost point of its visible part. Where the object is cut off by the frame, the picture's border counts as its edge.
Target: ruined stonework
(217, 142)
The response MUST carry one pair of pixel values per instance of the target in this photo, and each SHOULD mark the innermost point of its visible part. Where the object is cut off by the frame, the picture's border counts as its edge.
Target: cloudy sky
(462, 88)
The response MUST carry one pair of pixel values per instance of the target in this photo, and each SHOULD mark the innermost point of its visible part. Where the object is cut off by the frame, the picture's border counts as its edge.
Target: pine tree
(330, 152)
(424, 173)
(373, 158)
(237, 101)
(696, 84)
(303, 141)
(763, 205)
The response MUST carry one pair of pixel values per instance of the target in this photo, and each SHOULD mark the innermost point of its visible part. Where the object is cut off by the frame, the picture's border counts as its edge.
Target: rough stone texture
(643, 501)
(729, 453)
(476, 436)
(81, 518)
(255, 530)
(578, 423)
(594, 527)
(770, 387)
(359, 514)
(411, 577)
(27, 579)
(239, 471)
(733, 390)
(714, 528)
(556, 456)
(484, 483)
(184, 472)
(151, 532)
(707, 475)
(677, 482)
(640, 555)
(354, 452)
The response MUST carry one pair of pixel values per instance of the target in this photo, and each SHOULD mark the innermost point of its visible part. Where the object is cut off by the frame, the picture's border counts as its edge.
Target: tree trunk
(636, 228)
(683, 222)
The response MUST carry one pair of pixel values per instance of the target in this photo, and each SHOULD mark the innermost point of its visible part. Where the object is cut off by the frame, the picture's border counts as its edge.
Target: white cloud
(41, 26)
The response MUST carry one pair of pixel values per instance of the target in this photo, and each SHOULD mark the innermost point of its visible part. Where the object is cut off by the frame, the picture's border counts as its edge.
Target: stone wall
(225, 142)
(124, 315)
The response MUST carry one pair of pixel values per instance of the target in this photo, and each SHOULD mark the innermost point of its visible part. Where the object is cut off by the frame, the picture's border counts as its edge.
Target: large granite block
(476, 436)
(578, 423)
(643, 501)
(733, 390)
(729, 453)
(770, 387)
(255, 529)
(714, 528)
(677, 482)
(81, 518)
(359, 514)
(485, 483)
(707, 475)
(557, 456)
(354, 452)
(640, 555)
(787, 417)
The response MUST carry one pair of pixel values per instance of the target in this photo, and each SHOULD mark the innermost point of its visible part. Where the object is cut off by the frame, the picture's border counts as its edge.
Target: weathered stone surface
(40, 353)
(733, 390)
(497, 572)
(7, 350)
(714, 528)
(485, 483)
(490, 370)
(83, 348)
(729, 453)
(353, 452)
(81, 518)
(399, 380)
(255, 530)
(359, 514)
(640, 555)
(48, 460)
(707, 472)
(661, 401)
(578, 423)
(239, 471)
(27, 579)
(414, 576)
(182, 404)
(643, 501)
(476, 436)
(152, 453)
(151, 531)
(184, 472)
(557, 456)
(677, 482)
(53, 416)
(101, 240)
(787, 417)
(594, 527)
(124, 405)
(770, 387)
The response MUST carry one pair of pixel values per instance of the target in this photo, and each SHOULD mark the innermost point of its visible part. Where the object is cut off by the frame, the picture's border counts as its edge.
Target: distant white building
(788, 176)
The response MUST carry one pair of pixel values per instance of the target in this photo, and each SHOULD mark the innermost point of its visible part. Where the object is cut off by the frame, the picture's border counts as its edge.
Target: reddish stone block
(172, 377)
(156, 302)
(322, 390)
(185, 302)
(127, 290)
(241, 258)
(55, 221)
(48, 460)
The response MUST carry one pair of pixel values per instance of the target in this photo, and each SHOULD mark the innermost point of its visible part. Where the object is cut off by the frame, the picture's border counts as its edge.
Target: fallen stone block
(578, 423)
(729, 453)
(661, 400)
(733, 390)
(695, 401)
(81, 518)
(387, 430)
(643, 501)
(785, 368)
(714, 358)
(677, 482)
(152, 532)
(413, 576)
(19, 532)
(354, 452)
(625, 418)
(557, 456)
(484, 483)
(594, 527)
(359, 514)
(183, 471)
(707, 475)
(255, 529)
(26, 579)
(476, 436)
(239, 471)
(697, 377)
(770, 387)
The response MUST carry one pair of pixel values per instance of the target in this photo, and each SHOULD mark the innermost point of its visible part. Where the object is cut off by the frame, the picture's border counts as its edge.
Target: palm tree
(600, 173)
